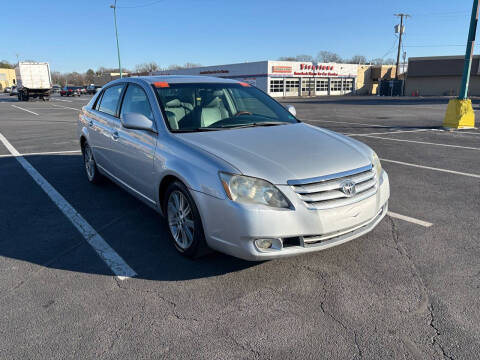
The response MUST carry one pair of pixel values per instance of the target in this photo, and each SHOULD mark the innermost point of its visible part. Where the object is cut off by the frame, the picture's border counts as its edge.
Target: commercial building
(7, 78)
(369, 77)
(284, 78)
(440, 76)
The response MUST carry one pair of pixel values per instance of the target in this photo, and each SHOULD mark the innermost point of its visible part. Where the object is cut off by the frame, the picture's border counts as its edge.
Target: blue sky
(77, 35)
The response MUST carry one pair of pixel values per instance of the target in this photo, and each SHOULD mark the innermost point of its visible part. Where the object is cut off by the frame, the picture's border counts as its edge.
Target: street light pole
(469, 52)
(114, 7)
(460, 114)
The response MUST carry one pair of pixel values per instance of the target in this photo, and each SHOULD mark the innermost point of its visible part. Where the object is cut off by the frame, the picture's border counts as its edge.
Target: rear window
(110, 100)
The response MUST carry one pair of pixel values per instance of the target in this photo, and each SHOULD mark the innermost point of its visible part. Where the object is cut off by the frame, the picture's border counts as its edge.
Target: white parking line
(432, 168)
(424, 143)
(462, 132)
(44, 153)
(66, 107)
(118, 266)
(409, 219)
(18, 107)
(350, 123)
(62, 100)
(389, 132)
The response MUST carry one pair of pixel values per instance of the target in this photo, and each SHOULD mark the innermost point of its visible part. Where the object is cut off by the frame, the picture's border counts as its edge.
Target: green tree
(4, 64)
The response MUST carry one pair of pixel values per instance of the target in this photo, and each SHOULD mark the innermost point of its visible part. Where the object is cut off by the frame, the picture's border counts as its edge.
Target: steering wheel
(243, 113)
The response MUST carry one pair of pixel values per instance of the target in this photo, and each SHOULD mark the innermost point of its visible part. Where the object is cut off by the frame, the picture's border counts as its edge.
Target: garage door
(321, 86)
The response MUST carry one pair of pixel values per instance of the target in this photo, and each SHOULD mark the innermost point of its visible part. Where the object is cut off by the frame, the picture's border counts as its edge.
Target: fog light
(269, 244)
(263, 243)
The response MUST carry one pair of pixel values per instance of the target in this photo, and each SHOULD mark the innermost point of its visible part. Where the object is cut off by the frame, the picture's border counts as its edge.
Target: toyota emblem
(348, 188)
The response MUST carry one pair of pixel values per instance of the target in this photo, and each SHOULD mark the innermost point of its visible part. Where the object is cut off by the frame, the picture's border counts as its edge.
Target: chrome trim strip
(330, 204)
(126, 185)
(329, 177)
(330, 185)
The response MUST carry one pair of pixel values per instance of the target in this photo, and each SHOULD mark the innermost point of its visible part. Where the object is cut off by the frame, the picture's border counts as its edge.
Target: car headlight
(377, 166)
(251, 190)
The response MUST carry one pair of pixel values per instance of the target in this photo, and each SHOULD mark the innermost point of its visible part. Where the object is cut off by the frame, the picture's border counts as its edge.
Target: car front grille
(326, 192)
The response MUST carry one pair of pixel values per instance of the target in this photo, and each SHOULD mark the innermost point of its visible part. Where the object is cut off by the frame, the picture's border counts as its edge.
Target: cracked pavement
(400, 292)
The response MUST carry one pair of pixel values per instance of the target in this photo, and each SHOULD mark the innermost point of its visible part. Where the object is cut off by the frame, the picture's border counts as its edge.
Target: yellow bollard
(460, 114)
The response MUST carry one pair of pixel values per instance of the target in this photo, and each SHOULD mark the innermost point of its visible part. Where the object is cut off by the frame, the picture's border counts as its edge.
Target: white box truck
(33, 80)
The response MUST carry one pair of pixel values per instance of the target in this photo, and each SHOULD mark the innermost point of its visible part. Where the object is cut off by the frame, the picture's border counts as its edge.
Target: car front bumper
(232, 228)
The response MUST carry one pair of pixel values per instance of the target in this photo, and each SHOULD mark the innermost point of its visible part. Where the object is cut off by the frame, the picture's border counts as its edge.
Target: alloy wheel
(89, 162)
(180, 219)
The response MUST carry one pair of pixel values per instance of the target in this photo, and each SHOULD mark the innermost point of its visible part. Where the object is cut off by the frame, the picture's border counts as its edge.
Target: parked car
(230, 168)
(7, 89)
(56, 88)
(92, 89)
(14, 91)
(70, 91)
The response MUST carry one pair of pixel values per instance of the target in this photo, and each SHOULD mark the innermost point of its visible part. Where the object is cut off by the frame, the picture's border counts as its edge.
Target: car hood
(282, 153)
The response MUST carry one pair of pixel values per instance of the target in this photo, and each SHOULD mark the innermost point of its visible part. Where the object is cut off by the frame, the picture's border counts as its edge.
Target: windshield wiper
(196, 130)
(261, 123)
(234, 126)
(270, 123)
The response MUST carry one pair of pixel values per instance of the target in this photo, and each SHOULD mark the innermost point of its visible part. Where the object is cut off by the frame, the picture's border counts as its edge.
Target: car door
(100, 123)
(133, 150)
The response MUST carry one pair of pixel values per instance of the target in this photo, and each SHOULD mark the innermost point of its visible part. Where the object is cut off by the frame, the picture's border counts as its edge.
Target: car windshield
(204, 107)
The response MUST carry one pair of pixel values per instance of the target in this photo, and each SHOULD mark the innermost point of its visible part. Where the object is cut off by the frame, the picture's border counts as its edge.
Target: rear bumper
(231, 227)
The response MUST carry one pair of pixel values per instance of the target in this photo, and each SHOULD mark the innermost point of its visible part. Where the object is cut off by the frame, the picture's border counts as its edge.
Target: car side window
(97, 102)
(136, 101)
(110, 100)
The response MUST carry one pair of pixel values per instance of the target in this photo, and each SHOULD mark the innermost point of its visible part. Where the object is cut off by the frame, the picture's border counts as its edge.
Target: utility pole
(114, 7)
(469, 52)
(400, 30)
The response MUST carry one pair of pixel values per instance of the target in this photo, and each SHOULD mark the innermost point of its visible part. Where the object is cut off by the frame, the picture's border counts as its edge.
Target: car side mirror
(291, 109)
(137, 121)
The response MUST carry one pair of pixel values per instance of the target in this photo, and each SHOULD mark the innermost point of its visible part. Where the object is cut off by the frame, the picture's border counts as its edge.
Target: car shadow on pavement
(8, 99)
(34, 229)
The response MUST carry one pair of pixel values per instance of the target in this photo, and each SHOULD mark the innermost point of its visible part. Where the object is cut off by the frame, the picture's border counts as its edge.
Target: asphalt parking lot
(410, 289)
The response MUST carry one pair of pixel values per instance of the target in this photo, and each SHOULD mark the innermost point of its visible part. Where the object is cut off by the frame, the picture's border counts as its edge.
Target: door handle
(115, 135)
(90, 123)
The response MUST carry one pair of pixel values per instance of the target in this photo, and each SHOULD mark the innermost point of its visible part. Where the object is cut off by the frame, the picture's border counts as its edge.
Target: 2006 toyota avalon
(230, 168)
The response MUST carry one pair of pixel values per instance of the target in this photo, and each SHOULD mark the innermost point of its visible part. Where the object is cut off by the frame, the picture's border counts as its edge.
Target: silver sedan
(231, 169)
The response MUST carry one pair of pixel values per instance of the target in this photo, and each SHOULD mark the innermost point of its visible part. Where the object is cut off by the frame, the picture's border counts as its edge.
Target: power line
(392, 48)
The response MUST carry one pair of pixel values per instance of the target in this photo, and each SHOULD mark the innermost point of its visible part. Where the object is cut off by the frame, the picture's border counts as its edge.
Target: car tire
(184, 222)
(90, 165)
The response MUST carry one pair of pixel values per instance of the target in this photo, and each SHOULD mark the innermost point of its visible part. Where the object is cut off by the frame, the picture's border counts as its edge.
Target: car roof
(184, 79)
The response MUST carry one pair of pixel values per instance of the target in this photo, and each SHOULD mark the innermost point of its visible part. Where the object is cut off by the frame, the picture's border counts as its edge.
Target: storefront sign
(282, 69)
(316, 70)
(311, 73)
(316, 67)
